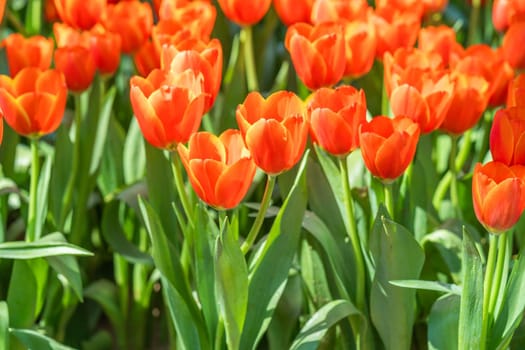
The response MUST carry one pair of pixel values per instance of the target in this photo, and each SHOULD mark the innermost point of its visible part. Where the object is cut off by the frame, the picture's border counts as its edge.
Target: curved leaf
(35, 340)
(4, 326)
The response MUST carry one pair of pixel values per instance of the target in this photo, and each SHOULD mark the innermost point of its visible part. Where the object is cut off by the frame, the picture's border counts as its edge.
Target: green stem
(454, 197)
(68, 194)
(249, 59)
(256, 227)
(219, 334)
(487, 287)
(31, 234)
(499, 271)
(181, 189)
(473, 29)
(389, 199)
(385, 102)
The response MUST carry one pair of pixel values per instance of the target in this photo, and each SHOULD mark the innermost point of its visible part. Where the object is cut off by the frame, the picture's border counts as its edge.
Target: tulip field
(262, 174)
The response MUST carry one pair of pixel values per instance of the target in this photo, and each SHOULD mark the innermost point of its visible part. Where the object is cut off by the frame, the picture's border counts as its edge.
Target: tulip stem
(181, 189)
(487, 287)
(454, 197)
(498, 274)
(389, 199)
(249, 59)
(254, 231)
(354, 237)
(33, 187)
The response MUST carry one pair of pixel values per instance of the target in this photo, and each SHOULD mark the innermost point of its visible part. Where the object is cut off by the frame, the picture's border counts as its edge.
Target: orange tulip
(326, 11)
(388, 145)
(2, 9)
(317, 52)
(220, 169)
(77, 65)
(33, 102)
(293, 12)
(516, 95)
(244, 13)
(441, 40)
(512, 45)
(80, 14)
(132, 20)
(35, 51)
(360, 42)
(469, 101)
(498, 195)
(105, 49)
(198, 16)
(335, 116)
(146, 59)
(275, 130)
(426, 102)
(506, 12)
(507, 136)
(168, 107)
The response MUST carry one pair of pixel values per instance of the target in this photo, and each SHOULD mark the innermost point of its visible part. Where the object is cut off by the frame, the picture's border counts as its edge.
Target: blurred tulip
(317, 52)
(168, 107)
(220, 169)
(414, 6)
(335, 116)
(78, 67)
(441, 40)
(498, 195)
(293, 12)
(500, 18)
(388, 145)
(2, 9)
(469, 101)
(507, 136)
(330, 11)
(50, 11)
(512, 45)
(516, 94)
(35, 51)
(426, 102)
(198, 16)
(33, 102)
(105, 49)
(274, 129)
(245, 13)
(132, 20)
(146, 59)
(203, 58)
(80, 14)
(360, 42)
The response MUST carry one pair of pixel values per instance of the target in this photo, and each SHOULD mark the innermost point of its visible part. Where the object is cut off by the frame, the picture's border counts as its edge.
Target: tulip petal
(308, 62)
(388, 162)
(234, 182)
(151, 126)
(502, 138)
(14, 114)
(204, 145)
(502, 206)
(407, 100)
(268, 143)
(331, 131)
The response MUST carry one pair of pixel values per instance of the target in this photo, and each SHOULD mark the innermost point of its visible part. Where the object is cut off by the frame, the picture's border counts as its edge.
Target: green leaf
(8, 186)
(397, 255)
(231, 285)
(313, 331)
(269, 270)
(4, 326)
(428, 285)
(513, 306)
(39, 249)
(35, 340)
(134, 156)
(111, 174)
(449, 247)
(43, 190)
(101, 131)
(443, 323)
(471, 310)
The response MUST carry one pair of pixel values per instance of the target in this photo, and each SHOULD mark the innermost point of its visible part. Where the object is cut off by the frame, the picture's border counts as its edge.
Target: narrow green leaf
(8, 186)
(449, 247)
(4, 326)
(134, 156)
(111, 174)
(269, 271)
(101, 130)
(39, 249)
(428, 285)
(471, 310)
(231, 285)
(34, 340)
(43, 190)
(443, 323)
(397, 255)
(313, 331)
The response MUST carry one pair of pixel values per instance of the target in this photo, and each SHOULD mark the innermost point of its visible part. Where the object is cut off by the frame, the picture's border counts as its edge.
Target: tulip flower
(327, 11)
(146, 59)
(335, 116)
(293, 12)
(512, 45)
(2, 9)
(33, 102)
(441, 40)
(516, 95)
(198, 16)
(498, 195)
(360, 43)
(105, 49)
(220, 169)
(80, 14)
(35, 51)
(244, 13)
(168, 107)
(507, 136)
(388, 145)
(317, 52)
(77, 65)
(274, 129)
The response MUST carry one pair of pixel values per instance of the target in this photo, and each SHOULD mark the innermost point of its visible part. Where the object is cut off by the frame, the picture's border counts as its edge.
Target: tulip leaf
(428, 285)
(448, 246)
(134, 156)
(443, 323)
(316, 327)
(101, 130)
(471, 310)
(4, 326)
(43, 190)
(511, 312)
(231, 275)
(269, 270)
(35, 340)
(39, 249)
(397, 256)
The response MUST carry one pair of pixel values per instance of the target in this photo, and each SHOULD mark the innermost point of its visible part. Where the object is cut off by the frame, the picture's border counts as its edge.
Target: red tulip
(35, 51)
(335, 117)
(274, 129)
(198, 16)
(80, 14)
(516, 95)
(388, 145)
(507, 136)
(220, 169)
(498, 194)
(360, 41)
(245, 13)
(293, 12)
(512, 45)
(33, 102)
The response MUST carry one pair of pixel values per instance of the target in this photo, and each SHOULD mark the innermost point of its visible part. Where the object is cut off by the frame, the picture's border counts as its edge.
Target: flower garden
(264, 174)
